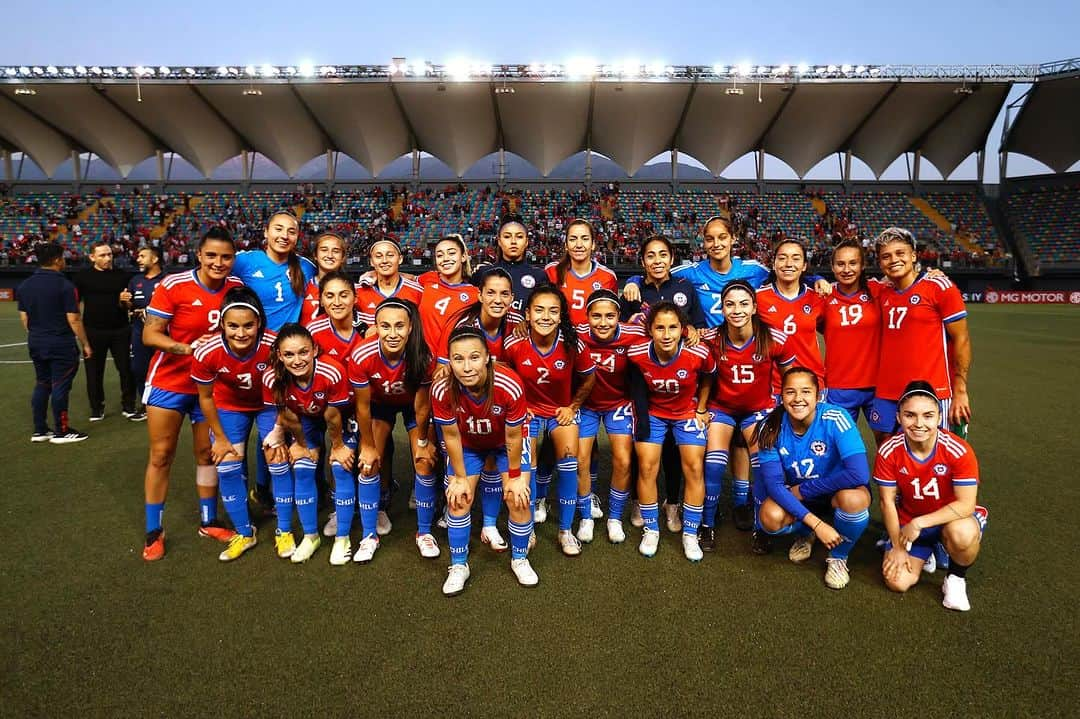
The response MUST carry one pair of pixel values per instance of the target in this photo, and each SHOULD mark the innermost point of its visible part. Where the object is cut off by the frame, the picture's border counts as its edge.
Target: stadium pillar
(980, 163)
(245, 172)
(915, 171)
(160, 170)
(416, 169)
(674, 170)
(331, 170)
(759, 162)
(847, 171)
(76, 169)
(502, 168)
(1003, 166)
(588, 168)
(9, 171)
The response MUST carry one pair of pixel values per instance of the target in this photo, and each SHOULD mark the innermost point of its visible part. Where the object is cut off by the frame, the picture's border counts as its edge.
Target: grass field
(88, 628)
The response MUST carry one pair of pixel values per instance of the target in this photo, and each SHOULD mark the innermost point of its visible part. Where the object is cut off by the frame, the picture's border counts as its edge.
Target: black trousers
(116, 342)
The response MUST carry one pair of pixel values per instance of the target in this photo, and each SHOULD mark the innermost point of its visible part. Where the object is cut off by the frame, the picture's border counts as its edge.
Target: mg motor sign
(1032, 297)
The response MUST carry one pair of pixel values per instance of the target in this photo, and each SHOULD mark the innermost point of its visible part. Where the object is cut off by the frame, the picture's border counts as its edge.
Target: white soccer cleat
(930, 565)
(836, 573)
(568, 543)
(382, 524)
(524, 572)
(491, 537)
(801, 549)
(691, 547)
(615, 532)
(540, 512)
(306, 548)
(597, 512)
(330, 528)
(366, 551)
(671, 518)
(955, 590)
(456, 578)
(636, 520)
(585, 531)
(341, 552)
(429, 548)
(650, 542)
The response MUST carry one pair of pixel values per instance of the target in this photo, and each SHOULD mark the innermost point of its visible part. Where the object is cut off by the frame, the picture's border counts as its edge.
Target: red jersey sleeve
(951, 304)
(583, 362)
(162, 303)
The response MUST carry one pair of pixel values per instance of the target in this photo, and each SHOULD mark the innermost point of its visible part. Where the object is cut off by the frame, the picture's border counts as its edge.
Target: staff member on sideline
(49, 309)
(107, 325)
(135, 298)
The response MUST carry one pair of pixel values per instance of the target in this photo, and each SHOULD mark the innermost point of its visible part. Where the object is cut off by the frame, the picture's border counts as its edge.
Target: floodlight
(68, 72)
(10, 71)
(249, 71)
(164, 71)
(783, 69)
(832, 68)
(718, 69)
(762, 70)
(25, 91)
(860, 69)
(803, 68)
(51, 69)
(745, 69)
(629, 68)
(457, 70)
(38, 71)
(327, 70)
(580, 68)
(189, 70)
(307, 69)
(269, 71)
(846, 69)
(655, 69)
(121, 71)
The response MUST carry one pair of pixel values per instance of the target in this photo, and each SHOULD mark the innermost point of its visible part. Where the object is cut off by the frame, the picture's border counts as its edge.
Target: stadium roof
(1048, 125)
(376, 114)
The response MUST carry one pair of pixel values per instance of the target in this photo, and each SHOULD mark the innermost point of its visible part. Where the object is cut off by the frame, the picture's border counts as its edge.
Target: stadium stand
(1048, 219)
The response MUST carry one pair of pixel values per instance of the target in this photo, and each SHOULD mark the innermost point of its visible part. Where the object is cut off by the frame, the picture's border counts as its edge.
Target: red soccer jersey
(914, 344)
(673, 386)
(494, 342)
(192, 311)
(236, 380)
(328, 386)
(439, 305)
(925, 486)
(852, 328)
(548, 378)
(330, 343)
(368, 298)
(577, 288)
(611, 390)
(743, 377)
(311, 306)
(368, 368)
(482, 430)
(798, 319)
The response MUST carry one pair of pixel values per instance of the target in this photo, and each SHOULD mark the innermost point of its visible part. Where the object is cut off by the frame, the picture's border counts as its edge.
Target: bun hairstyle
(417, 354)
(243, 298)
(762, 336)
(768, 429)
(468, 332)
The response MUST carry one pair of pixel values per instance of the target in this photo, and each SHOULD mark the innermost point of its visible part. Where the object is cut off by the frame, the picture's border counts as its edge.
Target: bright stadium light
(24, 70)
(457, 70)
(832, 68)
(189, 70)
(745, 69)
(580, 68)
(655, 69)
(52, 70)
(121, 71)
(860, 69)
(846, 69)
(68, 72)
(327, 70)
(718, 69)
(629, 68)
(250, 71)
(307, 69)
(481, 69)
(38, 71)
(164, 71)
(223, 71)
(11, 72)
(269, 71)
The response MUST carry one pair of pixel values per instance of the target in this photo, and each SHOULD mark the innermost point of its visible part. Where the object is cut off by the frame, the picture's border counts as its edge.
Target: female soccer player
(492, 313)
(513, 240)
(678, 380)
(277, 273)
(334, 332)
(928, 479)
(547, 360)
(184, 311)
(228, 370)
(447, 291)
(330, 249)
(310, 393)
(812, 460)
(577, 274)
(481, 409)
(607, 342)
(746, 352)
(385, 257)
(925, 312)
(391, 375)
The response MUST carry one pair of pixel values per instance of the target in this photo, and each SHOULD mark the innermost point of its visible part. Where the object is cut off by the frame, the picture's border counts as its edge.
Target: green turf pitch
(89, 629)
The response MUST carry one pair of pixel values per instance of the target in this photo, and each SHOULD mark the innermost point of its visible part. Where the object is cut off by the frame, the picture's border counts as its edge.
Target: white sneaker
(429, 548)
(568, 543)
(650, 541)
(455, 580)
(671, 517)
(330, 528)
(524, 572)
(382, 524)
(615, 532)
(491, 536)
(597, 512)
(930, 565)
(366, 551)
(801, 549)
(341, 552)
(585, 531)
(955, 591)
(306, 548)
(412, 500)
(540, 513)
(691, 548)
(636, 520)
(836, 573)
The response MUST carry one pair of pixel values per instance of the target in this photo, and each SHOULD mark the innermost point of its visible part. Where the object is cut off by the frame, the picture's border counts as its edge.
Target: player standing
(447, 291)
(513, 240)
(330, 249)
(577, 274)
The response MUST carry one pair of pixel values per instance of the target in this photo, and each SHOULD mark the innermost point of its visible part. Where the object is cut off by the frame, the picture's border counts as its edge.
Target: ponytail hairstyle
(916, 388)
(466, 262)
(218, 234)
(468, 332)
(471, 315)
(417, 354)
(657, 238)
(282, 378)
(768, 429)
(772, 272)
(341, 241)
(727, 222)
(297, 281)
(564, 261)
(243, 297)
(854, 245)
(566, 327)
(762, 335)
(338, 276)
(511, 220)
(603, 295)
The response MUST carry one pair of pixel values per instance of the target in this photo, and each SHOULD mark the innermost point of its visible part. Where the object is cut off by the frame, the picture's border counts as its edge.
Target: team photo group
(503, 376)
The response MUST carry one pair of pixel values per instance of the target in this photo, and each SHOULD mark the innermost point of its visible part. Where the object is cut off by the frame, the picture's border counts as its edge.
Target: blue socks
(304, 472)
(282, 481)
(543, 480)
(367, 502)
(584, 506)
(490, 496)
(207, 509)
(691, 518)
(594, 471)
(651, 514)
(567, 471)
(617, 503)
(424, 489)
(715, 465)
(850, 526)
(344, 498)
(153, 516)
(457, 532)
(519, 539)
(234, 495)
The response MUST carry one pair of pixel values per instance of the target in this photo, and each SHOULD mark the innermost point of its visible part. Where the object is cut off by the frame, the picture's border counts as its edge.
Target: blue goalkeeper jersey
(270, 281)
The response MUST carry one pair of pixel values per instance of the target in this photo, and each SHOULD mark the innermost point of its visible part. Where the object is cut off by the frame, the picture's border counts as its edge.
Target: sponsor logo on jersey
(682, 374)
(528, 282)
(915, 299)
(679, 298)
(940, 469)
(772, 309)
(257, 273)
(559, 364)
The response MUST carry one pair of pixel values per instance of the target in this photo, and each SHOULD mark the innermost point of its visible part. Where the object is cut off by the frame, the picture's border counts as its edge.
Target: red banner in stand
(1032, 297)
(6, 294)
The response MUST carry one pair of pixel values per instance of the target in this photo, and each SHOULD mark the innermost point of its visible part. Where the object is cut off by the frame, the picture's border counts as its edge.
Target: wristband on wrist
(514, 473)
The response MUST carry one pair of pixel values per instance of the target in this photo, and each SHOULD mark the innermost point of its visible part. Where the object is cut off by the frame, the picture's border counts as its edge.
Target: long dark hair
(772, 263)
(762, 335)
(467, 332)
(854, 245)
(564, 261)
(510, 220)
(417, 354)
(566, 327)
(297, 281)
(916, 388)
(471, 314)
(768, 429)
(243, 298)
(335, 276)
(282, 377)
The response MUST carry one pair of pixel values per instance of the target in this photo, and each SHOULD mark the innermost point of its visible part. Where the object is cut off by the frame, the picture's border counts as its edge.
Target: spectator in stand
(135, 298)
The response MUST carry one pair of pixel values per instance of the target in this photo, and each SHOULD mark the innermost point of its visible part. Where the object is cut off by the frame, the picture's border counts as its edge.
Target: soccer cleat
(456, 578)
(636, 520)
(41, 436)
(307, 547)
(743, 517)
(341, 552)
(97, 417)
(930, 565)
(154, 548)
(760, 542)
(382, 524)
(366, 551)
(216, 530)
(671, 517)
(801, 549)
(491, 536)
(429, 548)
(524, 572)
(330, 528)
(615, 532)
(136, 416)
(836, 573)
(690, 547)
(70, 437)
(237, 546)
(596, 511)
(650, 542)
(955, 590)
(585, 531)
(707, 539)
(540, 512)
(284, 544)
(568, 543)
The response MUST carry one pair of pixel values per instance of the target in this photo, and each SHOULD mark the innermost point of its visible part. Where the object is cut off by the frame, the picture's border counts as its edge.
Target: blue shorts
(684, 431)
(616, 421)
(742, 420)
(176, 401)
(852, 400)
(883, 415)
(475, 459)
(540, 424)
(237, 425)
(388, 413)
(928, 538)
(315, 431)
